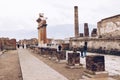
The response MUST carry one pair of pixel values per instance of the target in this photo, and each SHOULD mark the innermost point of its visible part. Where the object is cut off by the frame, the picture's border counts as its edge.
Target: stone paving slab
(34, 69)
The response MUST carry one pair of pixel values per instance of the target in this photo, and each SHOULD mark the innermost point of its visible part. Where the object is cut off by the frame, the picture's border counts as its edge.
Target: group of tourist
(82, 49)
(18, 46)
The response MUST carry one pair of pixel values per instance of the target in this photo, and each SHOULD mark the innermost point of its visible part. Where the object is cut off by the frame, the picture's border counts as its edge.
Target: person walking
(18, 45)
(85, 50)
(23, 46)
(81, 50)
(59, 52)
(59, 48)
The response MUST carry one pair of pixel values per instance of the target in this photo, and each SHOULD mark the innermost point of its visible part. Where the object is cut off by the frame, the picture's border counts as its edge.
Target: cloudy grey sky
(21, 15)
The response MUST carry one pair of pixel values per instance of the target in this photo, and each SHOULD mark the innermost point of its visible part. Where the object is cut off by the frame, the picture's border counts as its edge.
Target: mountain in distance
(66, 30)
(55, 32)
(19, 34)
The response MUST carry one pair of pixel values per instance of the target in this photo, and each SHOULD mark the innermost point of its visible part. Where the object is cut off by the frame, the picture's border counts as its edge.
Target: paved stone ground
(112, 63)
(9, 66)
(34, 69)
(0, 52)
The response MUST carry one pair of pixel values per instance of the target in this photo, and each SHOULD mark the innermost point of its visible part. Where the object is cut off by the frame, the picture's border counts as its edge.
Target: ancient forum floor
(34, 69)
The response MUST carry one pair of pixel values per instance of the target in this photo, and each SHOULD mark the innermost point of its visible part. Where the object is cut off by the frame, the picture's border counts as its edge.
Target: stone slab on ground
(34, 69)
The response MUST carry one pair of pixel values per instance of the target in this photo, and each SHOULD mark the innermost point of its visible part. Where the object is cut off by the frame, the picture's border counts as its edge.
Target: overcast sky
(22, 14)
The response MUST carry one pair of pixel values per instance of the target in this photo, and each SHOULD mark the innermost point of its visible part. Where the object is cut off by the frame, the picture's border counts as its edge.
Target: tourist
(85, 50)
(59, 52)
(18, 45)
(59, 48)
(81, 49)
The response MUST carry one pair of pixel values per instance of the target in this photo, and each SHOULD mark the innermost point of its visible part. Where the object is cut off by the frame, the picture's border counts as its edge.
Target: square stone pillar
(95, 63)
(95, 67)
(73, 59)
(86, 30)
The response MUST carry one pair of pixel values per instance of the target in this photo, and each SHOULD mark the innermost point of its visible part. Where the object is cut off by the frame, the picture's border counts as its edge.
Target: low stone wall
(7, 44)
(106, 46)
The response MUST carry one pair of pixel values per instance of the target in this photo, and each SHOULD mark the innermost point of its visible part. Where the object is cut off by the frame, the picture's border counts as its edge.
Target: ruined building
(104, 39)
(42, 36)
(7, 44)
(109, 27)
(32, 41)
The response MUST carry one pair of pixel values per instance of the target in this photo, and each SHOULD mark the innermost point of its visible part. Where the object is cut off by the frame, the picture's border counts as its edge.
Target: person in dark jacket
(59, 52)
(85, 50)
(59, 48)
(18, 45)
(81, 50)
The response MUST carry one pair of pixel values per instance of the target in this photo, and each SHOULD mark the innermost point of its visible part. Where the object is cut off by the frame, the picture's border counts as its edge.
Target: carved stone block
(73, 58)
(95, 63)
(62, 55)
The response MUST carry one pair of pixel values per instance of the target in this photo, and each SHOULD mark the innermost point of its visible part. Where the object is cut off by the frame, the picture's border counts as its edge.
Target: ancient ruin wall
(97, 43)
(109, 27)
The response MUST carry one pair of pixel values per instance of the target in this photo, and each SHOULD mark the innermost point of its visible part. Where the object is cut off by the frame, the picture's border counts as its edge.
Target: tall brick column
(42, 36)
(76, 21)
(86, 30)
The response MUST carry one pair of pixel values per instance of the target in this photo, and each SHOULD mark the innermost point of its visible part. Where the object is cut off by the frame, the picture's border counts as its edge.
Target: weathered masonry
(106, 40)
(42, 36)
(109, 27)
(7, 44)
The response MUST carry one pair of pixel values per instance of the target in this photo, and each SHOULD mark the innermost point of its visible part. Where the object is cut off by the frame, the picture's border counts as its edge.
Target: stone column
(98, 28)
(38, 36)
(42, 36)
(76, 22)
(86, 30)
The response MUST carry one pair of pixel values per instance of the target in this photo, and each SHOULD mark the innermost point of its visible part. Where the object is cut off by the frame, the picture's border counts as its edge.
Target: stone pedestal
(73, 60)
(95, 67)
(52, 53)
(61, 56)
(95, 63)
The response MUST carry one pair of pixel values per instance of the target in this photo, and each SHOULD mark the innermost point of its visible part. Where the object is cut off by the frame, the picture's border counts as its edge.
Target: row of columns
(86, 29)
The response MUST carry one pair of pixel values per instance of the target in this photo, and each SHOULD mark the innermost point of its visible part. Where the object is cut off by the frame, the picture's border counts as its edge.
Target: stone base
(76, 66)
(101, 74)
